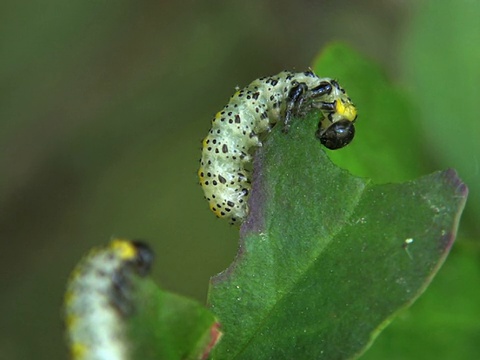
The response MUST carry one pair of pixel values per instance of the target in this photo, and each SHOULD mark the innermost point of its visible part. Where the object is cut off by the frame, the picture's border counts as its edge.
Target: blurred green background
(103, 105)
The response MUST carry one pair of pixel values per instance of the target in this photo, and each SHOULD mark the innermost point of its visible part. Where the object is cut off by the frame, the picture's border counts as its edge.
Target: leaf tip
(451, 176)
(214, 337)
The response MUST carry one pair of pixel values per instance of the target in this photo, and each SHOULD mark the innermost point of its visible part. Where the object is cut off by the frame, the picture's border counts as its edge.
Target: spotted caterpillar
(252, 111)
(98, 297)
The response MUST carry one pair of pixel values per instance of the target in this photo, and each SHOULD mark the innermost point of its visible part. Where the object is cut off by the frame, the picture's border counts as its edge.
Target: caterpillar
(254, 110)
(98, 298)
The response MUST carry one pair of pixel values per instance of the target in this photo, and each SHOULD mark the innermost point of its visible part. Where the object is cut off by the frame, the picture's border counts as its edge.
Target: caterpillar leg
(295, 100)
(325, 88)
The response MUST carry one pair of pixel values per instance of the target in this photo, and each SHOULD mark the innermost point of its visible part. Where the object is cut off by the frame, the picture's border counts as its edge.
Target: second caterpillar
(254, 110)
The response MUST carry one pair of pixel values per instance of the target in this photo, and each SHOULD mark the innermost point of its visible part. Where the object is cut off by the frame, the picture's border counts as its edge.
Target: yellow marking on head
(347, 111)
(78, 350)
(124, 248)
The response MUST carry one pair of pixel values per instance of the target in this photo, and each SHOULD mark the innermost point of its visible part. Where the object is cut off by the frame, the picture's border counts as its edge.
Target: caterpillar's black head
(143, 260)
(337, 135)
(336, 130)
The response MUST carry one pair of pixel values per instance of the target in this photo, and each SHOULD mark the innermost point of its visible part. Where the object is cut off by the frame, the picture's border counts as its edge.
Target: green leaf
(326, 259)
(387, 143)
(169, 326)
(443, 323)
